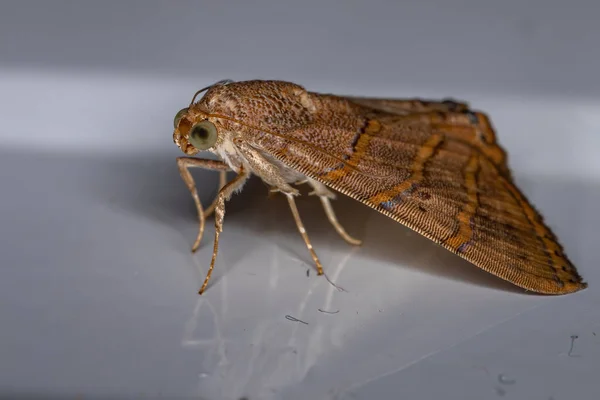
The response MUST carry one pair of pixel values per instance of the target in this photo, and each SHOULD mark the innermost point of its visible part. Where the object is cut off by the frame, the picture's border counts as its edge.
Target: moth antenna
(221, 82)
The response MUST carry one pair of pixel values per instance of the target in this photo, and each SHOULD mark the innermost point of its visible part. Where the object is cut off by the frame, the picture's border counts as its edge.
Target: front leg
(222, 183)
(224, 195)
(183, 163)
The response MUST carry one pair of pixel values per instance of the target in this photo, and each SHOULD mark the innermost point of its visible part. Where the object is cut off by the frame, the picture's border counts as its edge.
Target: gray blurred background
(97, 283)
(535, 47)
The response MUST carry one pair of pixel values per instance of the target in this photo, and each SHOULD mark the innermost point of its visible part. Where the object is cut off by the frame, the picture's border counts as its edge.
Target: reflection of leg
(333, 219)
(222, 182)
(223, 195)
(300, 226)
(189, 162)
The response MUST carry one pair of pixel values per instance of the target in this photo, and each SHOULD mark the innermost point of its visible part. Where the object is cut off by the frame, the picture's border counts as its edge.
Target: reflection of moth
(432, 166)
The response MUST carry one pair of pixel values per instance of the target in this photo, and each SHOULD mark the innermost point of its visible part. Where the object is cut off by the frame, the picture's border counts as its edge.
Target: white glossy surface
(97, 284)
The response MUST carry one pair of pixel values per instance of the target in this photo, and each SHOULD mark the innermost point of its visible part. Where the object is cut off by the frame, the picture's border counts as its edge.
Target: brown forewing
(436, 168)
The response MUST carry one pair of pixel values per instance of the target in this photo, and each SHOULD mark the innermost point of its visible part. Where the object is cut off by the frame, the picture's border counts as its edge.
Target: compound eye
(203, 135)
(178, 116)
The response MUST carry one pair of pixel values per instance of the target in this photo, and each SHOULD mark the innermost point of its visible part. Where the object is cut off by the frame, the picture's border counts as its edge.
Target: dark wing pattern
(435, 167)
(409, 106)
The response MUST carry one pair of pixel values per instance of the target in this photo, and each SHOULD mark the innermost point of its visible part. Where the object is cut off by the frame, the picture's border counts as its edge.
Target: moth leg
(302, 230)
(325, 195)
(184, 163)
(222, 183)
(224, 195)
(336, 225)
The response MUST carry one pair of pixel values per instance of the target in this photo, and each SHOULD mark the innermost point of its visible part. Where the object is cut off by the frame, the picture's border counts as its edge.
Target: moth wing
(455, 118)
(408, 106)
(437, 174)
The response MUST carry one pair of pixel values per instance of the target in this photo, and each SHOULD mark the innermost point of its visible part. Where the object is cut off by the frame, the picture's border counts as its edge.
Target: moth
(433, 166)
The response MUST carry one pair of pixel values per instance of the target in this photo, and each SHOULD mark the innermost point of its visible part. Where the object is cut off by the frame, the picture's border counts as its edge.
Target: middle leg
(302, 230)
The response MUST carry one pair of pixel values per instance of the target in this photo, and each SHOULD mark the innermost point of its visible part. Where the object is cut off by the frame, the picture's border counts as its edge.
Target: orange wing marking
(424, 154)
(463, 235)
(359, 146)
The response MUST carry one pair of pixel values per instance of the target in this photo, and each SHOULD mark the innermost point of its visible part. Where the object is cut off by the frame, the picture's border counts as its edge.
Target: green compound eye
(203, 135)
(178, 116)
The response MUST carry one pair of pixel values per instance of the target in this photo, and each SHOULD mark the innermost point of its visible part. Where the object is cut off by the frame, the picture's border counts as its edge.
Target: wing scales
(441, 174)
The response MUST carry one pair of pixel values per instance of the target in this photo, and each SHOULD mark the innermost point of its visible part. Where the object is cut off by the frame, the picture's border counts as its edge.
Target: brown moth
(433, 166)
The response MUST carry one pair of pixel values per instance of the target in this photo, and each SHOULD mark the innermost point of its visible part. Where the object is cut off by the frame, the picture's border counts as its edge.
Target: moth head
(195, 130)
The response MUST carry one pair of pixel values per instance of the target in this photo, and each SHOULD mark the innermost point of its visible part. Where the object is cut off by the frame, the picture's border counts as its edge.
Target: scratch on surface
(329, 312)
(293, 319)
(573, 338)
(431, 354)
